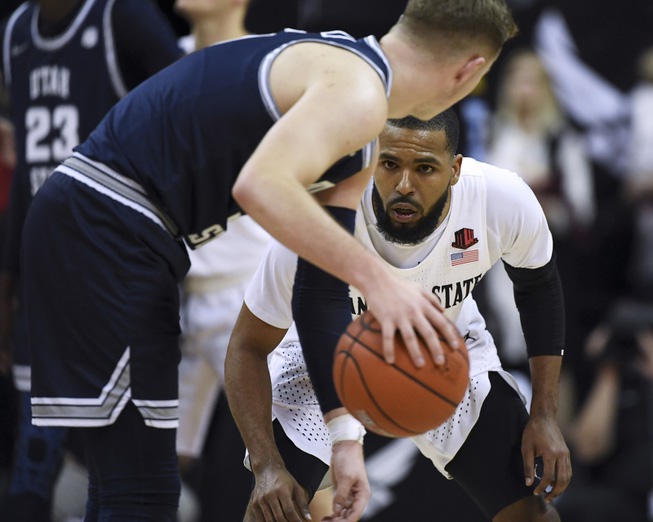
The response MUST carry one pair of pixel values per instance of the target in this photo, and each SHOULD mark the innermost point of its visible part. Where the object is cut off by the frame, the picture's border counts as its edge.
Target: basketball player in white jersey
(212, 292)
(441, 221)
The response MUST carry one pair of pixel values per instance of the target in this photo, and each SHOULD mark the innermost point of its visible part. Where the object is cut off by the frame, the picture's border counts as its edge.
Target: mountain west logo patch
(464, 238)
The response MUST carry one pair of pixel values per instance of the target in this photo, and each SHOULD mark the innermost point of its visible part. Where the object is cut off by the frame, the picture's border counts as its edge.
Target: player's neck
(414, 75)
(208, 31)
(54, 11)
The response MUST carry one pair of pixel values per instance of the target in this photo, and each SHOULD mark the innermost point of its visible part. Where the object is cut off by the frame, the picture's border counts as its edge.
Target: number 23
(39, 122)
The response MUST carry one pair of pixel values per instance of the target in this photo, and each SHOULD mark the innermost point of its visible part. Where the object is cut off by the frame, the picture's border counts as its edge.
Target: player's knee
(528, 509)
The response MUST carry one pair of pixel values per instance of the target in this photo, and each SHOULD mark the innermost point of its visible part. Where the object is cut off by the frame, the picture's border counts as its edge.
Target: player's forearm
(248, 386)
(251, 405)
(540, 301)
(545, 379)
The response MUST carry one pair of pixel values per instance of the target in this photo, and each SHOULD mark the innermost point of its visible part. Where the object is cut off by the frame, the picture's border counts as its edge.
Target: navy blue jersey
(61, 86)
(62, 79)
(185, 133)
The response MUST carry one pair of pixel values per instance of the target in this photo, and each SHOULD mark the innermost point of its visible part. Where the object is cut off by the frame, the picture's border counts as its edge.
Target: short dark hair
(446, 121)
(489, 21)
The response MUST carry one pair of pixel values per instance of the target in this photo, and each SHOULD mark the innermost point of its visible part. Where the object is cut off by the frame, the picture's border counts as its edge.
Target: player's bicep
(332, 118)
(526, 240)
(254, 335)
(269, 292)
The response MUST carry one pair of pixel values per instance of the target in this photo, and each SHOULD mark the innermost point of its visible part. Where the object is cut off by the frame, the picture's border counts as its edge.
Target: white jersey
(212, 294)
(449, 263)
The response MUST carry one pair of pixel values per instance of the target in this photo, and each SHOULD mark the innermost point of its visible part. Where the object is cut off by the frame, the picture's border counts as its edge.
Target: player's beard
(407, 234)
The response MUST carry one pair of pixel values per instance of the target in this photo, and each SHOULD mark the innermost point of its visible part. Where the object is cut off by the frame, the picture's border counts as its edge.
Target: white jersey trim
(52, 44)
(107, 192)
(266, 65)
(7, 42)
(117, 80)
(105, 409)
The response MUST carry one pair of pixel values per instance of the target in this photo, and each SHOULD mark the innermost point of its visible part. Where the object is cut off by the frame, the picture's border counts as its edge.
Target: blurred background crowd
(569, 107)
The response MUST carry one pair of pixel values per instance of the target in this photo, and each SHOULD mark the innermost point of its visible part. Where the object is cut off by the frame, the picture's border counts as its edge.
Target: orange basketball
(396, 400)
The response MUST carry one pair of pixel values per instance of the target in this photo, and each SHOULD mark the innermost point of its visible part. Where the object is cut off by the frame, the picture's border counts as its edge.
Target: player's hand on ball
(352, 489)
(402, 306)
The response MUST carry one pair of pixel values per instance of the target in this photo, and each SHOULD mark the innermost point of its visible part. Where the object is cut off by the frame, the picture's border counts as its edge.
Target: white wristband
(345, 427)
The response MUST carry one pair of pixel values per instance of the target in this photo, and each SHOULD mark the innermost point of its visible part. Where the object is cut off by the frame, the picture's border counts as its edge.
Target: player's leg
(489, 464)
(132, 470)
(322, 504)
(104, 326)
(37, 462)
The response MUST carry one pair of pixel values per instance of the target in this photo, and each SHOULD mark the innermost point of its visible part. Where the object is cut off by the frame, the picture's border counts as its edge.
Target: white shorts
(207, 322)
(295, 406)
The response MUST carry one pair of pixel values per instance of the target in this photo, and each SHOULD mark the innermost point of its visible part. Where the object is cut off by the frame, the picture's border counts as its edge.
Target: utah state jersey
(58, 91)
(173, 127)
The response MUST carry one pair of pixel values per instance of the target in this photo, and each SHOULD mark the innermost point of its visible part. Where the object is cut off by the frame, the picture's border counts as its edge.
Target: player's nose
(405, 183)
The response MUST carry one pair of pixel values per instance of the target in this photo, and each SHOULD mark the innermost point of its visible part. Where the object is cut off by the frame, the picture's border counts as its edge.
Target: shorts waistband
(121, 185)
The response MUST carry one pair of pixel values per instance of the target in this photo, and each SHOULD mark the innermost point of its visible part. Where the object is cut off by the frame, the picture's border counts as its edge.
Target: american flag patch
(460, 258)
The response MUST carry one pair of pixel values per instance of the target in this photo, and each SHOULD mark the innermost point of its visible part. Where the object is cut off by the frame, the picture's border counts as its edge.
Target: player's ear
(469, 69)
(456, 166)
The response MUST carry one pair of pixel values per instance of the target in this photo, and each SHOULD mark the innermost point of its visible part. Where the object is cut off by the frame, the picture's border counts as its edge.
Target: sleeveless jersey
(185, 133)
(60, 88)
(55, 104)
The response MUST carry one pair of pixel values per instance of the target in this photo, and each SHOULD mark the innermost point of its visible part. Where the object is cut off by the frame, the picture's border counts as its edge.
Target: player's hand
(277, 497)
(403, 306)
(542, 438)
(352, 489)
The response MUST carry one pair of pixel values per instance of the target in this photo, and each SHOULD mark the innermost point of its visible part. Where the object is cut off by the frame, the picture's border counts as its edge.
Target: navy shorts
(102, 305)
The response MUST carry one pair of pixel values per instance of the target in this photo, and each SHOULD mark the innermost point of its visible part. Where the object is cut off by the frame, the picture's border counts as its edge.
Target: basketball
(396, 400)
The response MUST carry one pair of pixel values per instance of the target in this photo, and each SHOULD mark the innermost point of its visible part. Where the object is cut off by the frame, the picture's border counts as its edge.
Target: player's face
(197, 8)
(412, 183)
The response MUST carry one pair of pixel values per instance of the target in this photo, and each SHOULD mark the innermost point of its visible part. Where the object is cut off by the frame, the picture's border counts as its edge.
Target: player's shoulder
(496, 179)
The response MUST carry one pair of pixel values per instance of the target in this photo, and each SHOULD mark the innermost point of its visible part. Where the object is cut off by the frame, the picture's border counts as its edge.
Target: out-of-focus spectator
(639, 183)
(611, 437)
(530, 135)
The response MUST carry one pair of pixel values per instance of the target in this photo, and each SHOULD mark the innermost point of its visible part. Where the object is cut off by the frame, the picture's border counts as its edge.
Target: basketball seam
(371, 397)
(403, 372)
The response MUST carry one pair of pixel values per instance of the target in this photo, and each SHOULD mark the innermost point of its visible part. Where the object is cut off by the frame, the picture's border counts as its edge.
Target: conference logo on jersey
(90, 37)
(19, 49)
(464, 238)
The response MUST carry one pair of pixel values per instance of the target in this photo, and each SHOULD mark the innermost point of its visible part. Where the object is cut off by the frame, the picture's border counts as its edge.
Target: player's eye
(390, 165)
(426, 169)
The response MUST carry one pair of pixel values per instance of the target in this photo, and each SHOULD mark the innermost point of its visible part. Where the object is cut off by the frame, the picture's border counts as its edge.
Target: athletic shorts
(102, 302)
(488, 466)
